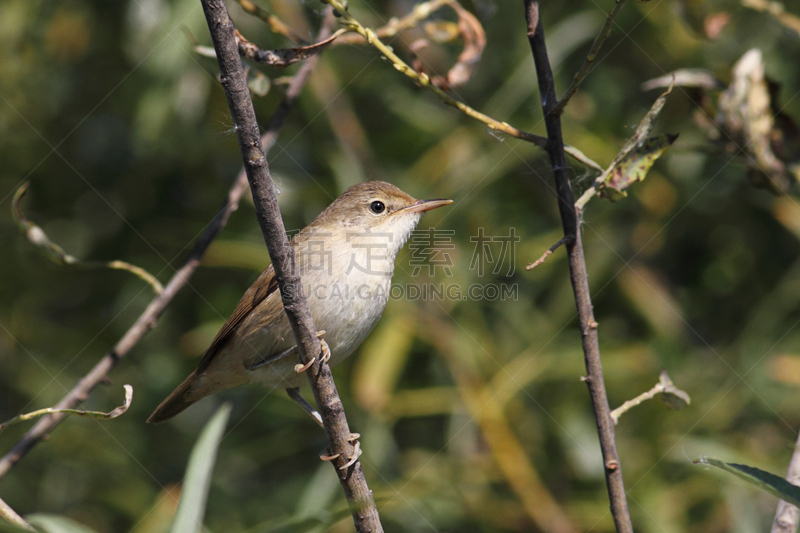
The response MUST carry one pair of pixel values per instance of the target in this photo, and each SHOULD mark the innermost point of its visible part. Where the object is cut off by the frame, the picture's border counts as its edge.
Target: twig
(282, 57)
(672, 396)
(777, 10)
(362, 505)
(10, 515)
(56, 254)
(601, 183)
(425, 81)
(548, 253)
(419, 13)
(590, 57)
(90, 414)
(275, 23)
(578, 274)
(148, 318)
(787, 515)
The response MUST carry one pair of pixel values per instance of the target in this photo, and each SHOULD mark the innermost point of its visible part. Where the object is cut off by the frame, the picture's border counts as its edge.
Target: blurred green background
(472, 413)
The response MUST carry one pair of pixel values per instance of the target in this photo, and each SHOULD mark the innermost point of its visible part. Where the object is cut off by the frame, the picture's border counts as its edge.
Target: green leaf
(191, 508)
(49, 523)
(771, 483)
(635, 166)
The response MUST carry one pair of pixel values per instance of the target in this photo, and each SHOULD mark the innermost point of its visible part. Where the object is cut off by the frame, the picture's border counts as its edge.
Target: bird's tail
(182, 397)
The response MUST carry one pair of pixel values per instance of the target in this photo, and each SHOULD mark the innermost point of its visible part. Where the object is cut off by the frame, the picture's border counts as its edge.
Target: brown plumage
(258, 333)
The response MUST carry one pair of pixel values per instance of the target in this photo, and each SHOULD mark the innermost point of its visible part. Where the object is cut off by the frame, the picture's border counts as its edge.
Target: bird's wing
(265, 285)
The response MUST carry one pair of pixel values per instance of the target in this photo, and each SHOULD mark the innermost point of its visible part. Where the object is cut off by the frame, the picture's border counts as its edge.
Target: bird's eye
(377, 207)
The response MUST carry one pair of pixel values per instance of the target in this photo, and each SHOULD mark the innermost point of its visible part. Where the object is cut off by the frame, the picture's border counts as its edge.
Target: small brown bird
(345, 259)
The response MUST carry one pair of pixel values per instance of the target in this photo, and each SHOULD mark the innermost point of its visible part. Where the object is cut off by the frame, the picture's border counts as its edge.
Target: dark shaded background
(125, 137)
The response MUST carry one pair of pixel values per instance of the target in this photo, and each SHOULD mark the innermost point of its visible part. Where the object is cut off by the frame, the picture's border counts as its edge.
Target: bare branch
(674, 397)
(777, 10)
(548, 253)
(590, 57)
(148, 318)
(351, 476)
(578, 275)
(282, 57)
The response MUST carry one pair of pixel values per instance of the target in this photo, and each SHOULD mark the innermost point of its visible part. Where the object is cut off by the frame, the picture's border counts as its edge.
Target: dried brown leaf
(281, 57)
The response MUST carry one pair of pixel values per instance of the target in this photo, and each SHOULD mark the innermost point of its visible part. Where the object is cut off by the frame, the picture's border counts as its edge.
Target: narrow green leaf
(192, 507)
(49, 523)
(58, 255)
(775, 485)
(78, 412)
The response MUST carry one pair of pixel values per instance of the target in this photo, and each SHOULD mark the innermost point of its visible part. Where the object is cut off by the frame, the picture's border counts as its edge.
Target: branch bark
(148, 318)
(362, 505)
(578, 276)
(787, 515)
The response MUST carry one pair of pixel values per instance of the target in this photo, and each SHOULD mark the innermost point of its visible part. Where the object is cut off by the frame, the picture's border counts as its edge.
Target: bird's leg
(280, 355)
(294, 394)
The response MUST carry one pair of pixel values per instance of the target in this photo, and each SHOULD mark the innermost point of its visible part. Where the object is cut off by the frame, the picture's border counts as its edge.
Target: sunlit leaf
(771, 483)
(441, 31)
(672, 396)
(754, 122)
(635, 166)
(192, 507)
(634, 160)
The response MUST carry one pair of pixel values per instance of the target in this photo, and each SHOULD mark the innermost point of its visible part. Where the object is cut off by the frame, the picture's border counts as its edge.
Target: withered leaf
(635, 165)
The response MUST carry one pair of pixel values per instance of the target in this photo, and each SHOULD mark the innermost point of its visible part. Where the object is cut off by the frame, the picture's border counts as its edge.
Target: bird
(345, 259)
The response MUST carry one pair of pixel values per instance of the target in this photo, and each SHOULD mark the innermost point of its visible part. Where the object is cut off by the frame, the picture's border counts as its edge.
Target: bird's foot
(357, 451)
(300, 368)
(326, 350)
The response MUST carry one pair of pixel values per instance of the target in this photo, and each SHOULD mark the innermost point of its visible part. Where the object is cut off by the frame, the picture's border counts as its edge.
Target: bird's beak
(420, 206)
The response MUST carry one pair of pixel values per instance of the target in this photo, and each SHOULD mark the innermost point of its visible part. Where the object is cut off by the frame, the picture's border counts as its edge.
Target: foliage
(468, 408)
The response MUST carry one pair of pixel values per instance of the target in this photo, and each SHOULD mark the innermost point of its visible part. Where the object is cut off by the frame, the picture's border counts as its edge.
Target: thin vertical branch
(578, 276)
(787, 515)
(148, 318)
(351, 476)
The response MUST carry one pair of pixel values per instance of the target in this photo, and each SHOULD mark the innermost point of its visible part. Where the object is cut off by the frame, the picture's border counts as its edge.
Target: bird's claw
(326, 351)
(356, 454)
(357, 451)
(325, 456)
(300, 368)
